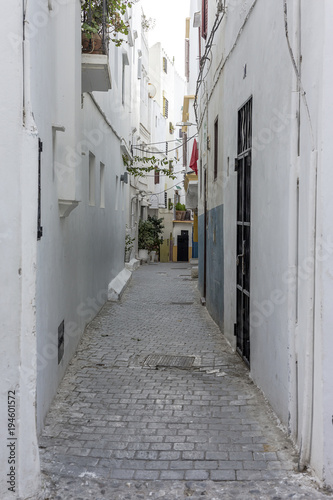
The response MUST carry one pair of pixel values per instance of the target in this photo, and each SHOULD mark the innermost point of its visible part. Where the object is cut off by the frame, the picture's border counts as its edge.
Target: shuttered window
(157, 176)
(204, 18)
(184, 150)
(187, 60)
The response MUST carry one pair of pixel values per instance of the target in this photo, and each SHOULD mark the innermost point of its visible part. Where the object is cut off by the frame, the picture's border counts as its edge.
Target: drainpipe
(293, 235)
(308, 392)
(308, 395)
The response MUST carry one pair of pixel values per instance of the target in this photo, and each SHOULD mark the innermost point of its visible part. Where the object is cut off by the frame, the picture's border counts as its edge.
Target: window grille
(245, 127)
(165, 199)
(165, 107)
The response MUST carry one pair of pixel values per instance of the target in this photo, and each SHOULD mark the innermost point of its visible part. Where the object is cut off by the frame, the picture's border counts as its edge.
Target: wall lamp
(124, 178)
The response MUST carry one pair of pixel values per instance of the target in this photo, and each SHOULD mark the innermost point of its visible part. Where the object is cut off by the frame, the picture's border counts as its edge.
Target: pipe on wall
(308, 393)
(293, 236)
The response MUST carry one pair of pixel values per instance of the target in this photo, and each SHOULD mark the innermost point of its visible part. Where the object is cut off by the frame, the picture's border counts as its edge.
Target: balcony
(191, 188)
(96, 75)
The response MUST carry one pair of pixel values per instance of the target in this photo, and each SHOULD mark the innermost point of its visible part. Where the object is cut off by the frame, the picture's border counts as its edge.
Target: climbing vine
(139, 166)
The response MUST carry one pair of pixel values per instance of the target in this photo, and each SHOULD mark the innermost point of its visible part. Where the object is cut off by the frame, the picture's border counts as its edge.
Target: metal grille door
(243, 167)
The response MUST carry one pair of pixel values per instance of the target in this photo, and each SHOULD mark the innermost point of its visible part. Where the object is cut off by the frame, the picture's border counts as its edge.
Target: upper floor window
(165, 65)
(204, 18)
(157, 176)
(165, 107)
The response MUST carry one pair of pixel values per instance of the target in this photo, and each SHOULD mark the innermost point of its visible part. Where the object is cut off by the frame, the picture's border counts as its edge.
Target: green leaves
(150, 231)
(93, 18)
(140, 166)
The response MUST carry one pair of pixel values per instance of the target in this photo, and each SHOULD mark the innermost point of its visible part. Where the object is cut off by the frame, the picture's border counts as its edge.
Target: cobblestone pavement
(124, 427)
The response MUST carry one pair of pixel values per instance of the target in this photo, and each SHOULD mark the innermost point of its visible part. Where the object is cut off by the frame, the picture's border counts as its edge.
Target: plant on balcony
(102, 21)
(180, 211)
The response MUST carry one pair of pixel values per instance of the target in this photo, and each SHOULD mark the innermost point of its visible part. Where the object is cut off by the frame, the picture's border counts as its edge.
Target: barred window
(165, 107)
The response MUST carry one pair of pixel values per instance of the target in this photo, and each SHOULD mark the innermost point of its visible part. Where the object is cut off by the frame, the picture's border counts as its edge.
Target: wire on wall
(218, 19)
(303, 93)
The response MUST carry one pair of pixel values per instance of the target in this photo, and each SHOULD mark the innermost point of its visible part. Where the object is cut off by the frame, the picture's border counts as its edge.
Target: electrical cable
(204, 58)
(298, 76)
(163, 152)
(223, 61)
(162, 142)
(164, 190)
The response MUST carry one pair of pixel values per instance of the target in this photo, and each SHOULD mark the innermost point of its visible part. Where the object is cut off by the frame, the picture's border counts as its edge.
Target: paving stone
(223, 475)
(122, 431)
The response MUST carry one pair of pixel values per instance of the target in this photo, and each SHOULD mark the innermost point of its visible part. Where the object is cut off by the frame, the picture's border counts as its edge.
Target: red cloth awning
(194, 157)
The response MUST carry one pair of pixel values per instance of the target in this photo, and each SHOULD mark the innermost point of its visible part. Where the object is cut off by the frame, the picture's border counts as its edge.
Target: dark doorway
(182, 247)
(243, 168)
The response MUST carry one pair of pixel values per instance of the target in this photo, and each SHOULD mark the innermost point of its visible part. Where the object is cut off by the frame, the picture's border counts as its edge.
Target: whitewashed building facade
(265, 227)
(65, 123)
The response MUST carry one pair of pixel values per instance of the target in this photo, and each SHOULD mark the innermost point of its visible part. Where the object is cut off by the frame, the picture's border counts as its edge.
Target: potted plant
(145, 239)
(128, 247)
(101, 22)
(149, 239)
(180, 211)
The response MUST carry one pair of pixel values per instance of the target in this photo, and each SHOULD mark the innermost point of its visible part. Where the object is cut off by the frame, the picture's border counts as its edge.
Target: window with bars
(165, 65)
(165, 199)
(204, 18)
(165, 107)
(245, 127)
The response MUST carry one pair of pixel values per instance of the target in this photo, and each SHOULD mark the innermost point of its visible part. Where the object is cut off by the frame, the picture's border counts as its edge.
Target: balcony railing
(95, 35)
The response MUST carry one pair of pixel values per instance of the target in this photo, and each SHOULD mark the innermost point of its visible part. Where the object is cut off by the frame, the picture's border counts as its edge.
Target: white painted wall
(325, 211)
(18, 149)
(288, 315)
(65, 275)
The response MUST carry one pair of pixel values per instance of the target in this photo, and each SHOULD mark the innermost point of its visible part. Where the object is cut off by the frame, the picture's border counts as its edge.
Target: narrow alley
(156, 405)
